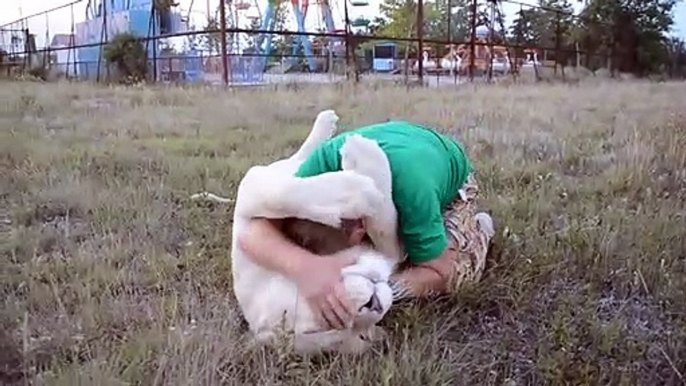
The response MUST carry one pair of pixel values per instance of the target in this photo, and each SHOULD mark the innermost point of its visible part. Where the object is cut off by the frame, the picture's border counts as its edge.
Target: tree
(376, 26)
(281, 44)
(550, 25)
(163, 10)
(212, 38)
(631, 34)
(526, 29)
(127, 53)
(676, 50)
(252, 39)
(436, 20)
(165, 5)
(400, 15)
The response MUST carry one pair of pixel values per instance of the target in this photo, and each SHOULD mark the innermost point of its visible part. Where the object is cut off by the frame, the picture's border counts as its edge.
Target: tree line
(631, 36)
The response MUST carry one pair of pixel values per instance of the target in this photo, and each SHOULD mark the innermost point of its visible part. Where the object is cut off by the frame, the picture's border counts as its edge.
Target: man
(444, 238)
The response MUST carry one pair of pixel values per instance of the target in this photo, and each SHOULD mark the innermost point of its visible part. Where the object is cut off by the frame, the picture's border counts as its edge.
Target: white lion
(270, 302)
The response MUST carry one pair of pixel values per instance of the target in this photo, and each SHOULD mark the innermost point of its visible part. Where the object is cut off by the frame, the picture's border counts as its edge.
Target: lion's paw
(326, 123)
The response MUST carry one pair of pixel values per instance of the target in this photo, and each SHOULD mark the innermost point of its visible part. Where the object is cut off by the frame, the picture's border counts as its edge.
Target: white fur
(270, 302)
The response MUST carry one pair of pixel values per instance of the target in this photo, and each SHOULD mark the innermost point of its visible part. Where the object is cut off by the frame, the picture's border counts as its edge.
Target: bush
(126, 52)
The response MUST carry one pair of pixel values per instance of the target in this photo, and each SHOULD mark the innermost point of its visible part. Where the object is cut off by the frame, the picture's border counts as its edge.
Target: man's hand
(321, 284)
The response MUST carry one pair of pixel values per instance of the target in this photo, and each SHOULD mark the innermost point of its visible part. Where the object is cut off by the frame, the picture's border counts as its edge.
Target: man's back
(427, 170)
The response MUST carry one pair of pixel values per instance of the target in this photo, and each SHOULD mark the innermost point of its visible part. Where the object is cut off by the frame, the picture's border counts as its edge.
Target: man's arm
(424, 237)
(265, 244)
(318, 278)
(427, 278)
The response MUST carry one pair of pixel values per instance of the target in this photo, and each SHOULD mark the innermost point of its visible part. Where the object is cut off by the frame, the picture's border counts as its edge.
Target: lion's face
(366, 284)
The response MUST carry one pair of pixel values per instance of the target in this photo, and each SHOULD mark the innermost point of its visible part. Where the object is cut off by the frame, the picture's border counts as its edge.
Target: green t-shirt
(427, 169)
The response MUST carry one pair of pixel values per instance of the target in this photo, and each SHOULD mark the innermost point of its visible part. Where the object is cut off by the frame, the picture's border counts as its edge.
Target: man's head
(322, 239)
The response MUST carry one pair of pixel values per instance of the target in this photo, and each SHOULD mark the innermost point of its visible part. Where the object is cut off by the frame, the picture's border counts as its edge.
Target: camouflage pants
(466, 236)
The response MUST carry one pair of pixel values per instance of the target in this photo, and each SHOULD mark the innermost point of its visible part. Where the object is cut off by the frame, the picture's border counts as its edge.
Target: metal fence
(472, 44)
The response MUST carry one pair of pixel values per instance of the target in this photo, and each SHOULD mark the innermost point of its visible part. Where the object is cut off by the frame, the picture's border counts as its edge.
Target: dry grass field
(111, 276)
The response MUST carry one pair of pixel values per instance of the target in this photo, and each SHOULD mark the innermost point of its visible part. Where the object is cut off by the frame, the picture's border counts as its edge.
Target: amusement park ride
(488, 57)
(106, 18)
(497, 58)
(300, 10)
(458, 59)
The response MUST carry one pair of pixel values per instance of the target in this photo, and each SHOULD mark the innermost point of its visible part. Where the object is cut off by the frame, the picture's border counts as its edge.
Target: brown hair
(316, 237)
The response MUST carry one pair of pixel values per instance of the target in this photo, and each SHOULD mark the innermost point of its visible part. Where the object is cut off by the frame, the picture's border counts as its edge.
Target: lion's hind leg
(326, 198)
(323, 128)
(366, 157)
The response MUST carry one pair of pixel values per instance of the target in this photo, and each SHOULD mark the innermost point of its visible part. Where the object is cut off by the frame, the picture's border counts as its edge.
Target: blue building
(134, 16)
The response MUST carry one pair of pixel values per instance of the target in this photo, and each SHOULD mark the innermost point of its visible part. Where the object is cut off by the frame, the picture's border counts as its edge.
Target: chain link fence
(469, 42)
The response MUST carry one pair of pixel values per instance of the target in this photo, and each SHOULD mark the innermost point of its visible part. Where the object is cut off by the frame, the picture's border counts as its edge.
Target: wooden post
(472, 47)
(557, 41)
(347, 40)
(420, 37)
(155, 41)
(107, 37)
(490, 41)
(222, 28)
(453, 71)
(450, 20)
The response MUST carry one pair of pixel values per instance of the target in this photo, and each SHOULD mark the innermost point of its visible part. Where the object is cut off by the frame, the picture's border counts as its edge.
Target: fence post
(613, 53)
(27, 57)
(453, 62)
(450, 20)
(107, 37)
(472, 42)
(103, 41)
(557, 41)
(155, 41)
(519, 45)
(347, 40)
(490, 41)
(420, 37)
(222, 29)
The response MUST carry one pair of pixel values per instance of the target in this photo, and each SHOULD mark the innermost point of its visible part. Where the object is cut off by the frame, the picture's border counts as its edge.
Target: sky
(60, 21)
